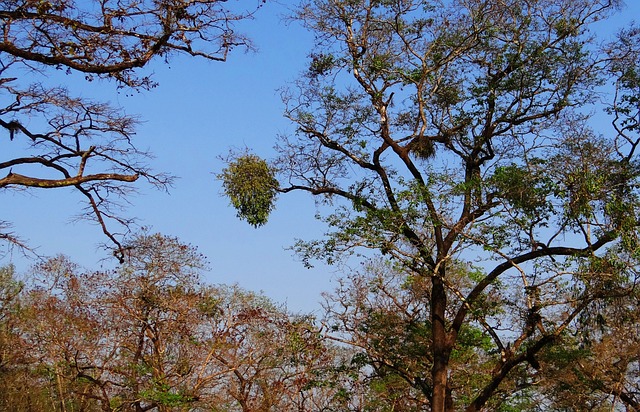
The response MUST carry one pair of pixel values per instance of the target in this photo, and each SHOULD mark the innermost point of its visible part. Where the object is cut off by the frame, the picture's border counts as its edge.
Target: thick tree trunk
(441, 348)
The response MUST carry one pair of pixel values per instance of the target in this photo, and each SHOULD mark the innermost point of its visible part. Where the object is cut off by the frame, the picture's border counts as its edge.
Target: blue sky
(198, 112)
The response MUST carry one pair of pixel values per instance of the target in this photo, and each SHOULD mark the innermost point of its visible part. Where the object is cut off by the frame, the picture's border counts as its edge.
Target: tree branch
(21, 180)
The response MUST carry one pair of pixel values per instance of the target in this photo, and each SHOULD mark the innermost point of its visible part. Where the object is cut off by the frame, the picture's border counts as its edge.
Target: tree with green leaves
(487, 149)
(57, 140)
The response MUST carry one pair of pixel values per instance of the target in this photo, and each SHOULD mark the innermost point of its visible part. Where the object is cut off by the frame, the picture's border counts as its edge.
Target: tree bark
(441, 346)
(21, 180)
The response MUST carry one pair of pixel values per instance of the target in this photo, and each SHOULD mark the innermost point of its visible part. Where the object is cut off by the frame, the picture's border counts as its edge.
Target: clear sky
(198, 112)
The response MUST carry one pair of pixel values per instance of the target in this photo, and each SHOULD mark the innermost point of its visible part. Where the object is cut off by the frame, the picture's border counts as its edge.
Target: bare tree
(152, 337)
(58, 140)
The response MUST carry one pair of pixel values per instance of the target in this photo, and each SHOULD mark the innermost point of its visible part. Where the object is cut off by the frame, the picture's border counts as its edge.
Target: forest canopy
(483, 154)
(474, 163)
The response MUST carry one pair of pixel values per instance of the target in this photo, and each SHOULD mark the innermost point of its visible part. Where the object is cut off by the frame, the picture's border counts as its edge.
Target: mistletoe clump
(251, 186)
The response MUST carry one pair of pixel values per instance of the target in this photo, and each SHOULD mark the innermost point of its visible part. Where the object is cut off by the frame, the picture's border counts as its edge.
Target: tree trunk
(441, 347)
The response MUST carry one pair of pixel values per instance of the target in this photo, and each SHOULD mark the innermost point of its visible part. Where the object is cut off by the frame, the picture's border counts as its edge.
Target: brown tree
(151, 337)
(599, 367)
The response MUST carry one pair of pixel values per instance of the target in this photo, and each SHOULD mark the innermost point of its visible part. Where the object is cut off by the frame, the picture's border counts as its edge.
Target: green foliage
(592, 184)
(9, 289)
(522, 401)
(567, 27)
(380, 63)
(472, 337)
(521, 188)
(321, 64)
(564, 356)
(164, 395)
(251, 186)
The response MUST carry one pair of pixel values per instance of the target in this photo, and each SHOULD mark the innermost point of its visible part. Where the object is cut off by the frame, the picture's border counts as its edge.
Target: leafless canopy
(58, 140)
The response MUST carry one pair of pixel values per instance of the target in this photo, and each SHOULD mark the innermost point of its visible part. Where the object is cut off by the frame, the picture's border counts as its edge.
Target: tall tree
(456, 139)
(56, 140)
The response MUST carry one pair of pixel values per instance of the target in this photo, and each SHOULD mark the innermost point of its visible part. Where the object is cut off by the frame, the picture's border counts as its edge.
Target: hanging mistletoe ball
(251, 186)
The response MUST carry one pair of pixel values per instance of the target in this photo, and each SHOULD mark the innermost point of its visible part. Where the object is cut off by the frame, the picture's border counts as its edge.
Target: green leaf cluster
(164, 395)
(321, 64)
(521, 188)
(251, 186)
